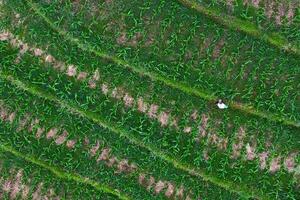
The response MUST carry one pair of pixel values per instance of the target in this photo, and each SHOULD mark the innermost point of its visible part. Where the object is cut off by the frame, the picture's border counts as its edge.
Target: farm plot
(196, 54)
(33, 71)
(78, 146)
(243, 152)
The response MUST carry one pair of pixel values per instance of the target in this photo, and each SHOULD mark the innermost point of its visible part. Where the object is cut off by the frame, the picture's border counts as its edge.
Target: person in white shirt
(221, 104)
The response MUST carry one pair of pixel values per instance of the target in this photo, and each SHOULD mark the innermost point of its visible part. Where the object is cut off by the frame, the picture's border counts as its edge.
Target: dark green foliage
(243, 69)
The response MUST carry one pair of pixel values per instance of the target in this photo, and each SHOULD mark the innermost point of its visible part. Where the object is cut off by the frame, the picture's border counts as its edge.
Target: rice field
(106, 99)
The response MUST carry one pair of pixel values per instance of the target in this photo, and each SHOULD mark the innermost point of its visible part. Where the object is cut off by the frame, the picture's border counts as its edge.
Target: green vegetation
(277, 22)
(25, 179)
(80, 128)
(142, 78)
(188, 65)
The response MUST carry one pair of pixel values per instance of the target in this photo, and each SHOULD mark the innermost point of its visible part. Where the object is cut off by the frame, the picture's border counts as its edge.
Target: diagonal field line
(169, 82)
(242, 190)
(64, 175)
(243, 26)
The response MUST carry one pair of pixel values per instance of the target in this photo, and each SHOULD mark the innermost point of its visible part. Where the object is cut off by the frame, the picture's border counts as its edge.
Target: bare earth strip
(61, 174)
(243, 26)
(243, 190)
(156, 77)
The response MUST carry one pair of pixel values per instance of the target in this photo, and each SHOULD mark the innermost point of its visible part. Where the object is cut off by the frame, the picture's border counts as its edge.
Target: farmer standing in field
(221, 104)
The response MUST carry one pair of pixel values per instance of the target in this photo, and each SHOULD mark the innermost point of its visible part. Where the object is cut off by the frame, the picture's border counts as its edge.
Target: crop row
(211, 139)
(21, 179)
(182, 49)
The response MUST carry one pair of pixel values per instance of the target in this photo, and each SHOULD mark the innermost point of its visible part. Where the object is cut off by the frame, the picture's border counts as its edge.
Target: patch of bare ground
(16, 187)
(120, 165)
(218, 48)
(238, 145)
(124, 40)
(205, 45)
(280, 12)
(166, 188)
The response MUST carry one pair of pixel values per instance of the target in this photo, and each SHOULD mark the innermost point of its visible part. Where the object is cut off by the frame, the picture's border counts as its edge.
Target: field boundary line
(242, 26)
(65, 175)
(243, 191)
(156, 77)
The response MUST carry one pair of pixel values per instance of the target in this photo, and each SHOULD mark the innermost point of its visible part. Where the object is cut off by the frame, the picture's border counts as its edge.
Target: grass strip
(156, 77)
